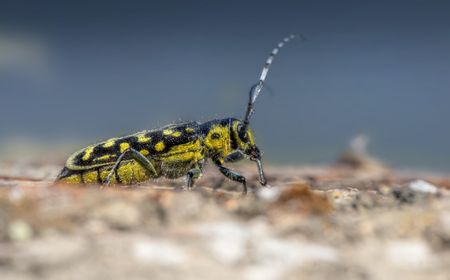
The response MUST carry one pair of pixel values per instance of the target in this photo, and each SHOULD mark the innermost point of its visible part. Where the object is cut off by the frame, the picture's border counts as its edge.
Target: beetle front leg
(232, 175)
(235, 156)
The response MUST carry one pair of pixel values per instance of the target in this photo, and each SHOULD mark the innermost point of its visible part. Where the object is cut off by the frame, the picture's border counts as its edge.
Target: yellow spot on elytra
(109, 143)
(105, 157)
(167, 131)
(143, 139)
(88, 153)
(189, 129)
(124, 146)
(160, 146)
(144, 152)
(170, 132)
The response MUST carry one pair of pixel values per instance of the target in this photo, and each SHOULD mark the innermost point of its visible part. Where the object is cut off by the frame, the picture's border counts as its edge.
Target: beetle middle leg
(193, 175)
(138, 157)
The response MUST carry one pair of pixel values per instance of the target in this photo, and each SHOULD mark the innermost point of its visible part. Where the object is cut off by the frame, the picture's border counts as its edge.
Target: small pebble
(20, 231)
(422, 186)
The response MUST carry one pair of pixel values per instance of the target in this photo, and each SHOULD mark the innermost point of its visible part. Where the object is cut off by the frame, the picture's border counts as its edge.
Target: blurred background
(76, 72)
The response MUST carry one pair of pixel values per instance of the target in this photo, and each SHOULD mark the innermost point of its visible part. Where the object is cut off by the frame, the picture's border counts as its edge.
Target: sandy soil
(353, 220)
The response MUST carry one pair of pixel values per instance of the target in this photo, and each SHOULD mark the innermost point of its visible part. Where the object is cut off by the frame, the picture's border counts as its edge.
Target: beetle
(172, 151)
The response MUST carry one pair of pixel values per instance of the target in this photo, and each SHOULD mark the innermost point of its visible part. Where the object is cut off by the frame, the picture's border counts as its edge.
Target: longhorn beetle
(174, 150)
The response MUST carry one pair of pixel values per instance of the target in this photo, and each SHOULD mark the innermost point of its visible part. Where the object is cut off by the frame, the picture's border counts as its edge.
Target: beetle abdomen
(129, 172)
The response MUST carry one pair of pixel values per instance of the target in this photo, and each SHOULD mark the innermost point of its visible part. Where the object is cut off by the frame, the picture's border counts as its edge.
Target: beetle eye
(215, 135)
(242, 133)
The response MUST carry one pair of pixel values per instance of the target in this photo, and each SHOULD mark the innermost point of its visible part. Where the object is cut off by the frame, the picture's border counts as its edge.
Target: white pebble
(269, 194)
(408, 253)
(226, 241)
(19, 231)
(422, 186)
(158, 252)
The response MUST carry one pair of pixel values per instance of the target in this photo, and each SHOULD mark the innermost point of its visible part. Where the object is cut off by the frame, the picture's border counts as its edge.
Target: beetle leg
(232, 175)
(138, 157)
(234, 156)
(193, 175)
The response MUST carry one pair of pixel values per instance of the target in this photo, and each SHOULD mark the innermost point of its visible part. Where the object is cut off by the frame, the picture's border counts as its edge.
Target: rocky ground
(351, 220)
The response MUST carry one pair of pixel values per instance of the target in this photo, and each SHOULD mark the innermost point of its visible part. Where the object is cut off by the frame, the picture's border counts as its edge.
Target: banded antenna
(255, 90)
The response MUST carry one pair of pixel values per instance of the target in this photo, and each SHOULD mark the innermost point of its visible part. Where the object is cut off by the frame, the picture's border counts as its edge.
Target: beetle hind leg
(192, 176)
(135, 155)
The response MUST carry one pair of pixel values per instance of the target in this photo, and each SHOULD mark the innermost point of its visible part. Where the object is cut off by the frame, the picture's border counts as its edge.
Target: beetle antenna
(255, 90)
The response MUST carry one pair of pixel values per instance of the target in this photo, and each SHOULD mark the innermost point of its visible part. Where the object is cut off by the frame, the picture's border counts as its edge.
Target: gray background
(88, 70)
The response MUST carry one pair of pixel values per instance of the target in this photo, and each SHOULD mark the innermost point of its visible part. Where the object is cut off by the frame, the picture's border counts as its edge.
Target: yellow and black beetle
(172, 151)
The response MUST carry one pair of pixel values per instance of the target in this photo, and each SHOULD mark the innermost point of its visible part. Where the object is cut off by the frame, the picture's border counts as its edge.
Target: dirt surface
(353, 220)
